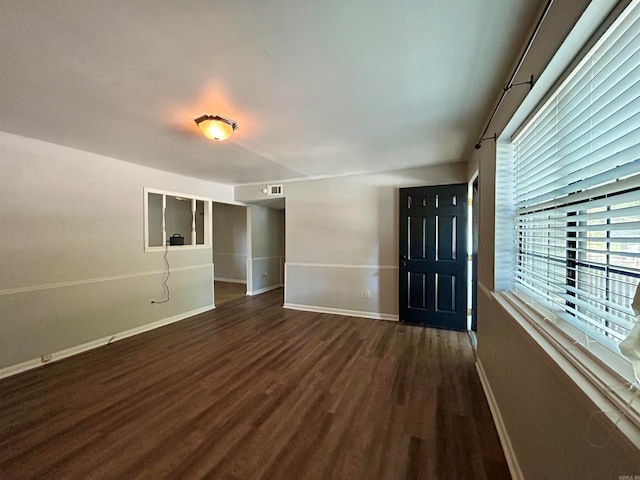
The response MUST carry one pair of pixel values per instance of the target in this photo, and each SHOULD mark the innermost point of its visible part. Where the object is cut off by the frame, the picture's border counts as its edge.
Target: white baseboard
(512, 460)
(228, 280)
(265, 289)
(340, 311)
(38, 362)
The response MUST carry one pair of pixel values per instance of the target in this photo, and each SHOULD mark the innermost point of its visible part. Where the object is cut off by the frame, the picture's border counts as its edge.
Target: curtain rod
(510, 83)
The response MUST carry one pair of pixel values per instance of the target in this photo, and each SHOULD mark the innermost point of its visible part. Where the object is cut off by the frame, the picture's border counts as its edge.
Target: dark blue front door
(433, 256)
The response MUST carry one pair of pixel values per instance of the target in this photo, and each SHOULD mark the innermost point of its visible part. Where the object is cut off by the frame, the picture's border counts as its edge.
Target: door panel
(433, 245)
(418, 236)
(445, 293)
(418, 288)
(446, 235)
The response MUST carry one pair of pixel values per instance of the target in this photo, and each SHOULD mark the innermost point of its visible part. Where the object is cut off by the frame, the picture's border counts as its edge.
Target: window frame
(569, 256)
(193, 246)
(607, 379)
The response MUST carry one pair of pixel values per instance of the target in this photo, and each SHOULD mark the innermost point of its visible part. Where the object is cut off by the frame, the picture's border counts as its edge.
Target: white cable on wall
(167, 269)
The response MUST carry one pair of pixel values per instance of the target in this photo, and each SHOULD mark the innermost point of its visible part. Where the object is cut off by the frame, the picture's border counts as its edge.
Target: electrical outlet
(45, 358)
(367, 294)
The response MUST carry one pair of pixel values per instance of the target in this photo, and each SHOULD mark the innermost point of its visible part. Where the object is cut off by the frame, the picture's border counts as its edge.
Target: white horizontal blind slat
(603, 141)
(626, 184)
(577, 189)
(604, 105)
(623, 211)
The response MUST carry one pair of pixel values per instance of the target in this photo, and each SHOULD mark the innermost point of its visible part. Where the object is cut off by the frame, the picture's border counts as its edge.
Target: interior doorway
(474, 254)
(230, 252)
(266, 245)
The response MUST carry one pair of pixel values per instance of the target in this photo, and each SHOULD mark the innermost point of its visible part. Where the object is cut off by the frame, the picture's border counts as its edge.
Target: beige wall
(553, 426)
(74, 268)
(230, 242)
(342, 239)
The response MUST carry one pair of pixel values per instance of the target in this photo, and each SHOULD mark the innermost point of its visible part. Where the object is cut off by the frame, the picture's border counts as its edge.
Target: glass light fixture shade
(216, 127)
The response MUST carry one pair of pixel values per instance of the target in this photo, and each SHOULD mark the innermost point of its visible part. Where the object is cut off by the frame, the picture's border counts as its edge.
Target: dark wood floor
(252, 391)
(227, 291)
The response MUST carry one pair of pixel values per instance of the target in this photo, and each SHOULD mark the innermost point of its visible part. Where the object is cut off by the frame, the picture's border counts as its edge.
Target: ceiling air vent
(273, 190)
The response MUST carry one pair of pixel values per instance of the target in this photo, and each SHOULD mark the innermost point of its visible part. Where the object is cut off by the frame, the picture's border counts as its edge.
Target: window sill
(606, 379)
(175, 248)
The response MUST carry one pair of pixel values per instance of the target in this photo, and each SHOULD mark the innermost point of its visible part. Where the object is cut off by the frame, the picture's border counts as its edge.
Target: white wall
(266, 249)
(230, 242)
(342, 239)
(554, 429)
(74, 268)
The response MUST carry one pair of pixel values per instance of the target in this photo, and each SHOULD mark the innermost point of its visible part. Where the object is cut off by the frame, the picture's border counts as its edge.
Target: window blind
(577, 190)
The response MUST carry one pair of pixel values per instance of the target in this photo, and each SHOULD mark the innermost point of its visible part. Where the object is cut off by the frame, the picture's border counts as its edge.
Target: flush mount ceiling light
(216, 127)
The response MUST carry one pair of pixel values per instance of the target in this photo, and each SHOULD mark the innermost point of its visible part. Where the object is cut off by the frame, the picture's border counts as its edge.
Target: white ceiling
(318, 87)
